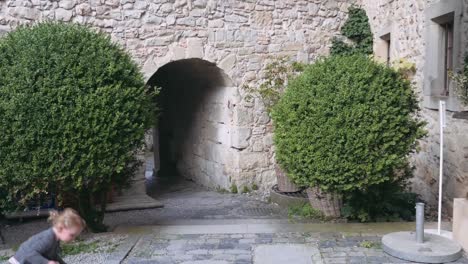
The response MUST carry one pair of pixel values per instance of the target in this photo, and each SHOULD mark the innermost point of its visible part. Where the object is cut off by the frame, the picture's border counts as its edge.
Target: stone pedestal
(460, 222)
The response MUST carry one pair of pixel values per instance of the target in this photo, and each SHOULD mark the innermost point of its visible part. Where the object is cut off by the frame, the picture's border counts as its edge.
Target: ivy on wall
(357, 30)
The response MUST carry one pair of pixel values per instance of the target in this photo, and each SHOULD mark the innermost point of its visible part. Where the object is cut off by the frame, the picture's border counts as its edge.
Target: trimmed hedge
(346, 123)
(74, 110)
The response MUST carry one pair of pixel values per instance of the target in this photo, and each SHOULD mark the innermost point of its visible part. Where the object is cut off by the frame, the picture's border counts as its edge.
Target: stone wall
(405, 21)
(238, 36)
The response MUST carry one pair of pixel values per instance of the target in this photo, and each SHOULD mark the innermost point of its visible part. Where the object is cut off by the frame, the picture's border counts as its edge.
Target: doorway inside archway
(191, 139)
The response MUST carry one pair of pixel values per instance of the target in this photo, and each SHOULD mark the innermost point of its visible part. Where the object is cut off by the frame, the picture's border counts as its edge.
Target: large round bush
(345, 124)
(73, 112)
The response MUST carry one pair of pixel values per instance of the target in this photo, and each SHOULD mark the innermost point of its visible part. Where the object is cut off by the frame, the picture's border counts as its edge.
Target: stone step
(124, 203)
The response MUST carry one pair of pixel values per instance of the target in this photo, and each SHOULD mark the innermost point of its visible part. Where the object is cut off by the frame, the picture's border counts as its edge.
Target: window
(383, 47)
(388, 52)
(443, 53)
(448, 55)
(387, 45)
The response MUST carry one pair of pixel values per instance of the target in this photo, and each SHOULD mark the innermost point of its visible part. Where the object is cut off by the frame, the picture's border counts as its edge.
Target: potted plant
(345, 124)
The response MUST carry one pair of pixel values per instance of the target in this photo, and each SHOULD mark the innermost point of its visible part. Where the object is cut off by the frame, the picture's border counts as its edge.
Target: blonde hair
(68, 218)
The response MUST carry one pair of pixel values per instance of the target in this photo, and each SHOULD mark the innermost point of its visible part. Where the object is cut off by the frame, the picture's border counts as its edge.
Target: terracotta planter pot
(328, 203)
(284, 183)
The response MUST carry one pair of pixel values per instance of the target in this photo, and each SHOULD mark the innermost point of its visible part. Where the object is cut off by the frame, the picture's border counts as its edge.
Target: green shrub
(234, 188)
(357, 29)
(345, 124)
(76, 248)
(370, 244)
(389, 201)
(74, 110)
(304, 211)
(382, 203)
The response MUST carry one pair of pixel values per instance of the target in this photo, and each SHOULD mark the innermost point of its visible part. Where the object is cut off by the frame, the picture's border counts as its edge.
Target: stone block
(178, 52)
(4, 30)
(171, 19)
(186, 21)
(263, 18)
(460, 222)
(253, 160)
(201, 22)
(258, 130)
(159, 41)
(233, 96)
(164, 8)
(236, 18)
(257, 145)
(220, 35)
(24, 12)
(217, 112)
(268, 140)
(113, 3)
(222, 135)
(197, 12)
(243, 116)
(227, 64)
(63, 15)
(115, 14)
(67, 4)
(214, 152)
(83, 9)
(240, 137)
(140, 5)
(217, 23)
(263, 118)
(232, 160)
(194, 48)
(102, 10)
(267, 178)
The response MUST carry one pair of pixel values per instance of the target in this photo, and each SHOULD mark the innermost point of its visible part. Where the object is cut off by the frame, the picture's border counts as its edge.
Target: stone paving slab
(280, 254)
(121, 252)
(260, 248)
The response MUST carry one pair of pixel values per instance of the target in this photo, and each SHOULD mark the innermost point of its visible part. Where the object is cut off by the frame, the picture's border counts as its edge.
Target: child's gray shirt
(40, 249)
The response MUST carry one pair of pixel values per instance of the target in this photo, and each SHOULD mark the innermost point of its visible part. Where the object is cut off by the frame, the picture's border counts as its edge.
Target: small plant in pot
(277, 73)
(346, 123)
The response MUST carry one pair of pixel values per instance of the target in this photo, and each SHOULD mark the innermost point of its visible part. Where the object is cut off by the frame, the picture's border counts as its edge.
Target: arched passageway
(192, 134)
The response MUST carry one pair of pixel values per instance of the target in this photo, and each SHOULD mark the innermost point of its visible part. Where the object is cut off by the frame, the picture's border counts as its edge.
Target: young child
(44, 247)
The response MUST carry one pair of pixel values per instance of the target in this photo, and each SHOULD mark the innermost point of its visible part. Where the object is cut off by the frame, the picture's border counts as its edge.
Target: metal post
(441, 161)
(420, 222)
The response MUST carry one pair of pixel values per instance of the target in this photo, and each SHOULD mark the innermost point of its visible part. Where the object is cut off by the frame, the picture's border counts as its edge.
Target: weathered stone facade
(407, 23)
(240, 37)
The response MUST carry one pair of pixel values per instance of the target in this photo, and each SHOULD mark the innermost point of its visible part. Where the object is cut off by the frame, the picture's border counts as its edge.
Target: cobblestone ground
(334, 248)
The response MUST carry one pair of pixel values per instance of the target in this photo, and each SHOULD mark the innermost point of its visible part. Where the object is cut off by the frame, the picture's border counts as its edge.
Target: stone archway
(192, 136)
